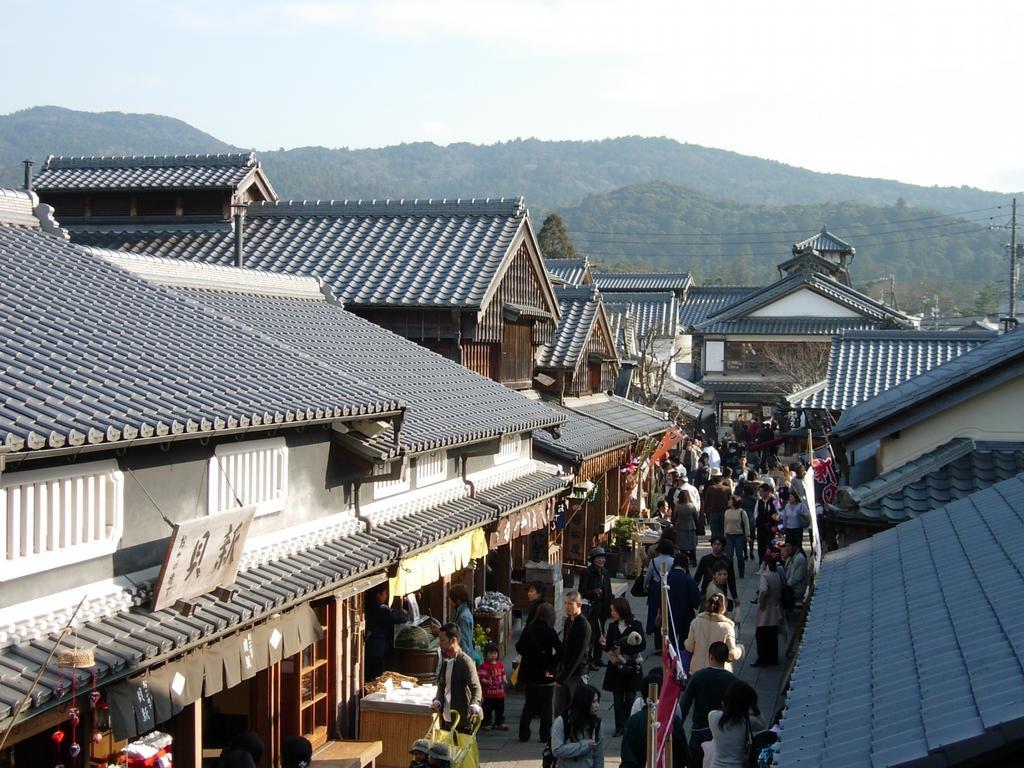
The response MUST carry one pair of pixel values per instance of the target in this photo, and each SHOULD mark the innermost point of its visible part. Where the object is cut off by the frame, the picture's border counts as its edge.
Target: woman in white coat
(712, 626)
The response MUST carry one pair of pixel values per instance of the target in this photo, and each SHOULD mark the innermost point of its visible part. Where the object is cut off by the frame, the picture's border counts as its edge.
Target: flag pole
(652, 725)
(666, 637)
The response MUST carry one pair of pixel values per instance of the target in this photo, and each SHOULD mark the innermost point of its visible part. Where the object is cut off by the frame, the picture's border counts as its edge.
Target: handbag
(639, 589)
(513, 679)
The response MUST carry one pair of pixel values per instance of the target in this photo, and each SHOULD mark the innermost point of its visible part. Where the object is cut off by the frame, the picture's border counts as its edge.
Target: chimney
(28, 174)
(239, 211)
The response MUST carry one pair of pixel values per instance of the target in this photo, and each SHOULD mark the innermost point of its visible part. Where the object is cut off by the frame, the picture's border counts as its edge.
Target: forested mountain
(551, 174)
(663, 226)
(32, 134)
(720, 214)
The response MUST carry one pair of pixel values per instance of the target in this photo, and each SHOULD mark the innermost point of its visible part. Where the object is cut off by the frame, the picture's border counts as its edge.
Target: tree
(554, 239)
(651, 371)
(987, 300)
(799, 364)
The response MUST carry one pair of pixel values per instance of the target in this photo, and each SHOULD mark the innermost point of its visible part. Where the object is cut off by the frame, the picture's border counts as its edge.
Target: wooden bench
(347, 754)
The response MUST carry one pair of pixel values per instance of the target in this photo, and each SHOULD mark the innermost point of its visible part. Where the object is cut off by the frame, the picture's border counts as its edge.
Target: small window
(66, 206)
(431, 468)
(204, 203)
(386, 488)
(511, 448)
(158, 205)
(111, 205)
(52, 518)
(253, 473)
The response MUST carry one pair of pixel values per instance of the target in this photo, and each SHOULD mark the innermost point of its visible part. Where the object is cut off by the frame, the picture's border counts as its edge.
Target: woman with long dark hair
(734, 725)
(624, 640)
(576, 736)
(541, 650)
(381, 621)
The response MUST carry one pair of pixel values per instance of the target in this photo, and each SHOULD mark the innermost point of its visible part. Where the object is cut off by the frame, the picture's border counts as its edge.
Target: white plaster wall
(804, 303)
(993, 415)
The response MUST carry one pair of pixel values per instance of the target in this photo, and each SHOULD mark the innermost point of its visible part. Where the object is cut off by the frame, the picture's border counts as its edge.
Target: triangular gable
(525, 241)
(806, 295)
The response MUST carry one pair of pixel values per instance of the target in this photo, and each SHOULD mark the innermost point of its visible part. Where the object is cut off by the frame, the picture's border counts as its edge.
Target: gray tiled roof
(106, 357)
(447, 403)
(649, 310)
(389, 253)
(623, 327)
(978, 370)
(570, 271)
(580, 309)
(950, 472)
(734, 386)
(623, 414)
(524, 491)
(632, 282)
(864, 363)
(823, 241)
(704, 301)
(434, 525)
(131, 640)
(819, 284)
(787, 326)
(225, 171)
(580, 437)
(914, 644)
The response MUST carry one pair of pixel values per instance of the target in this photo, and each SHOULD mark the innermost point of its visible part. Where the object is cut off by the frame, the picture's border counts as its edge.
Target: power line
(779, 231)
(673, 253)
(640, 240)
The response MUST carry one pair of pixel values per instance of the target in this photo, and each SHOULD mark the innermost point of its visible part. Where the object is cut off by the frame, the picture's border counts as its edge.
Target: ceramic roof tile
(863, 364)
(579, 309)
(823, 241)
(656, 310)
(986, 365)
(781, 326)
(580, 437)
(822, 285)
(702, 302)
(569, 271)
(106, 357)
(389, 253)
(633, 282)
(447, 403)
(524, 491)
(950, 472)
(224, 171)
(623, 414)
(937, 669)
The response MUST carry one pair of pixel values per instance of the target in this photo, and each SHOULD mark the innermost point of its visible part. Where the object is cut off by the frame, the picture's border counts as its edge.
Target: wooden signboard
(204, 554)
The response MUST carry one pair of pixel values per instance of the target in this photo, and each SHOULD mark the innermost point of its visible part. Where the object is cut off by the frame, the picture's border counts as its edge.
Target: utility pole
(1011, 320)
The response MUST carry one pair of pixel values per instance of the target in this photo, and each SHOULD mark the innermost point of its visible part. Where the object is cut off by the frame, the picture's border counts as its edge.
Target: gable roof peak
(824, 242)
(220, 160)
(513, 207)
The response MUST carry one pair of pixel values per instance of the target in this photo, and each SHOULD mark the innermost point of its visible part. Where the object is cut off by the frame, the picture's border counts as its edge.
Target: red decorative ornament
(58, 737)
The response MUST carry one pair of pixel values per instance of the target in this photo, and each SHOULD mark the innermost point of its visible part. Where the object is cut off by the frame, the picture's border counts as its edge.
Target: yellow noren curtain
(441, 560)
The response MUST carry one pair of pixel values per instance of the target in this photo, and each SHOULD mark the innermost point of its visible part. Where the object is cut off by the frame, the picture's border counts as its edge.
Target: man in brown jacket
(458, 685)
(716, 501)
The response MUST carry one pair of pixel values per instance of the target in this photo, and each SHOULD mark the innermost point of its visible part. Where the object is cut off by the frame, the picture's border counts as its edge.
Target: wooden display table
(396, 724)
(347, 754)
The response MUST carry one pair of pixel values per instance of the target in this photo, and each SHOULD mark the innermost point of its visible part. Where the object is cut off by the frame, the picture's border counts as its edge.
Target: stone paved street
(502, 749)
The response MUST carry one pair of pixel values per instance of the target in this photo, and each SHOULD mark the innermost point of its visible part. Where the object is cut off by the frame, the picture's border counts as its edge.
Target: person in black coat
(381, 621)
(575, 649)
(766, 519)
(596, 588)
(541, 651)
(624, 640)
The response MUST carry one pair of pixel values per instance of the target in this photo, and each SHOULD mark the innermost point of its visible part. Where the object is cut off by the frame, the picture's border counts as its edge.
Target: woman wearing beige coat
(712, 626)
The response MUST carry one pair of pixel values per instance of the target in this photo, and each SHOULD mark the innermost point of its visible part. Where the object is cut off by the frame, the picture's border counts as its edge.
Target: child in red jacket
(492, 680)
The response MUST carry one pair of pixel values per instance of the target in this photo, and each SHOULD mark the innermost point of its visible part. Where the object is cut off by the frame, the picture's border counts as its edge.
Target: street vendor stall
(396, 715)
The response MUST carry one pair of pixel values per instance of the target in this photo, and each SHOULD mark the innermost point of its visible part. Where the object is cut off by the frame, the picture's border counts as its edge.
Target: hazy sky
(924, 92)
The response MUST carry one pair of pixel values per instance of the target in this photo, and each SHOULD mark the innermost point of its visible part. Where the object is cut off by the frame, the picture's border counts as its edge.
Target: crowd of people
(720, 491)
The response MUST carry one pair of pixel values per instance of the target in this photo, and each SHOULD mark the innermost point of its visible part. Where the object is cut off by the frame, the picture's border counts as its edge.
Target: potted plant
(620, 546)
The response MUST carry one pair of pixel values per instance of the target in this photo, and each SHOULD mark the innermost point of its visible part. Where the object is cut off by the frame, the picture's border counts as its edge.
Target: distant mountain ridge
(642, 189)
(551, 174)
